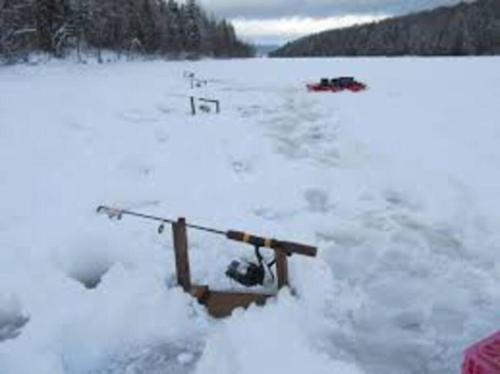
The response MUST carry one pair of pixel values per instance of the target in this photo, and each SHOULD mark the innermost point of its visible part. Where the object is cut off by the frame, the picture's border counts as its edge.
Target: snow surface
(397, 186)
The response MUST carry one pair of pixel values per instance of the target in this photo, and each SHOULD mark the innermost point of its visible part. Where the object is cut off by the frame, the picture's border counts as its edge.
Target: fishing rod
(278, 245)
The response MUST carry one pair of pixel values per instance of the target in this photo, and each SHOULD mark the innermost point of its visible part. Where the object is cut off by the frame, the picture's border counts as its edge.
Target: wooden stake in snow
(205, 105)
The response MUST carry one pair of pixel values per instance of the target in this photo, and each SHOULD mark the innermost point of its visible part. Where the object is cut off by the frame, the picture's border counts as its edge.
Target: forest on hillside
(469, 28)
(149, 27)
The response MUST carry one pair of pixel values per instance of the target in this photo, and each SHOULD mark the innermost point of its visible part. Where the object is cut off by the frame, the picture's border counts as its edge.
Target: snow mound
(86, 259)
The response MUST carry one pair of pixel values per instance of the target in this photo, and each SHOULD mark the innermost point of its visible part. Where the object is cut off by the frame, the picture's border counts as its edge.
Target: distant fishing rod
(279, 245)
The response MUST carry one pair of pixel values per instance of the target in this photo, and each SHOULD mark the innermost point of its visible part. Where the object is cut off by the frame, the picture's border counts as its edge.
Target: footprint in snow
(135, 168)
(274, 215)
(398, 200)
(137, 116)
(249, 111)
(241, 167)
(78, 126)
(317, 200)
(161, 136)
(162, 108)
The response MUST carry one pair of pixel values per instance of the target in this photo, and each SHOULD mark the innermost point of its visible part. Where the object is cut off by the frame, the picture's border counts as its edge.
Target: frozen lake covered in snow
(398, 186)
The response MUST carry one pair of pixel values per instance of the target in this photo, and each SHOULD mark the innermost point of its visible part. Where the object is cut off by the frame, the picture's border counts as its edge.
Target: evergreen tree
(49, 19)
(173, 38)
(144, 26)
(192, 27)
(17, 29)
(147, 36)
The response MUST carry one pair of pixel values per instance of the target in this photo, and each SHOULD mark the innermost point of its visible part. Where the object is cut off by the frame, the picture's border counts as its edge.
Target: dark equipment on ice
(194, 82)
(324, 82)
(205, 105)
(249, 274)
(204, 108)
(337, 85)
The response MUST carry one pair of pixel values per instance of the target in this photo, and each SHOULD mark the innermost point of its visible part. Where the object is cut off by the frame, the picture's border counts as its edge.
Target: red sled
(337, 85)
(483, 357)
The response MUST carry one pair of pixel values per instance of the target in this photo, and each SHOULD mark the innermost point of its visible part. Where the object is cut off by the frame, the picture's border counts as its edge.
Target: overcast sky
(278, 21)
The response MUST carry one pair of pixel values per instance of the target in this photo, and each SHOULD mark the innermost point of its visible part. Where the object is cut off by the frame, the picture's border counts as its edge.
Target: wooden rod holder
(193, 105)
(219, 303)
(181, 254)
(282, 269)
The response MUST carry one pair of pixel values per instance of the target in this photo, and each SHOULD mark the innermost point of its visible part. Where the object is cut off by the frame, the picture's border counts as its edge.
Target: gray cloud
(265, 9)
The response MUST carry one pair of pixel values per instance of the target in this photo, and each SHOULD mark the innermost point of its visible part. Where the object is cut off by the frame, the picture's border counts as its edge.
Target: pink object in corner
(483, 357)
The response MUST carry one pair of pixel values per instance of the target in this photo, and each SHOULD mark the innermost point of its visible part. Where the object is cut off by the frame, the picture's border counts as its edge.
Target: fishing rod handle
(288, 247)
(297, 248)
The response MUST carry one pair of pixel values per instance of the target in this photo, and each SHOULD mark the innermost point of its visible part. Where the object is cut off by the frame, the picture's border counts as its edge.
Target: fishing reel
(249, 273)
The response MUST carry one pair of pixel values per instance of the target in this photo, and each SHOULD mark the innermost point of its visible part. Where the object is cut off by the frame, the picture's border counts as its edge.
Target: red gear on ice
(483, 357)
(337, 85)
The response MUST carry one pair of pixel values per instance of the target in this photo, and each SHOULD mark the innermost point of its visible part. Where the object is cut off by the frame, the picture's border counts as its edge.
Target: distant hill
(265, 49)
(471, 28)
